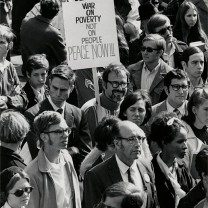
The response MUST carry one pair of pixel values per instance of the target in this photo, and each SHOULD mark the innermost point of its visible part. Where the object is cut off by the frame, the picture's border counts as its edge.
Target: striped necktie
(60, 110)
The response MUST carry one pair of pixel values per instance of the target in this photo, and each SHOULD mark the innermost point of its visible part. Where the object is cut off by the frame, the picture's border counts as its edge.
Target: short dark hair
(188, 52)
(37, 61)
(102, 133)
(155, 21)
(132, 200)
(49, 8)
(198, 97)
(13, 127)
(131, 99)
(116, 68)
(165, 128)
(63, 72)
(202, 162)
(175, 74)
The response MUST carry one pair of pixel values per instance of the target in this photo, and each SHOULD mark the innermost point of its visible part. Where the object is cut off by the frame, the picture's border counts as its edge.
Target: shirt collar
(171, 109)
(54, 106)
(154, 70)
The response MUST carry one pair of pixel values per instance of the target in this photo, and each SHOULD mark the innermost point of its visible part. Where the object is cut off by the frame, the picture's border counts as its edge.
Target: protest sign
(90, 31)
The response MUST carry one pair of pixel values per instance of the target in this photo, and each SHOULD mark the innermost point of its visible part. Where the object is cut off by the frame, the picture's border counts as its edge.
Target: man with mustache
(115, 82)
(124, 165)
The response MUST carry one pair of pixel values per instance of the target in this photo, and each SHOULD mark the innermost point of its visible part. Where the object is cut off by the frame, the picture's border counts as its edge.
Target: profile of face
(37, 78)
(136, 112)
(116, 87)
(165, 31)
(113, 202)
(195, 65)
(191, 17)
(4, 46)
(128, 146)
(19, 201)
(60, 90)
(178, 147)
(177, 92)
(201, 114)
(56, 137)
(150, 52)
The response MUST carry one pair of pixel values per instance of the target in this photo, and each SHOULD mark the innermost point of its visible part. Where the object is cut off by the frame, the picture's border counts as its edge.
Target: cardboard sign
(90, 31)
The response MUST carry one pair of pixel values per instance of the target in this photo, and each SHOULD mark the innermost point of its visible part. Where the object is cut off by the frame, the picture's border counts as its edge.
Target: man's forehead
(117, 75)
(196, 56)
(62, 124)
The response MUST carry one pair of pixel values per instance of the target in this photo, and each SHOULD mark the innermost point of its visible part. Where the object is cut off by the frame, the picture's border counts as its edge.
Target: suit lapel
(138, 75)
(68, 116)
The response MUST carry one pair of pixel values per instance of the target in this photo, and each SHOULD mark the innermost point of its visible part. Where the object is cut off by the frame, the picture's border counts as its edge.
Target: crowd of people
(143, 145)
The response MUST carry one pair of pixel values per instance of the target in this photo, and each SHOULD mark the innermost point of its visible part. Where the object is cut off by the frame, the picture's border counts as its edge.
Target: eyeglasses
(59, 131)
(20, 192)
(176, 87)
(149, 49)
(133, 139)
(116, 84)
(164, 30)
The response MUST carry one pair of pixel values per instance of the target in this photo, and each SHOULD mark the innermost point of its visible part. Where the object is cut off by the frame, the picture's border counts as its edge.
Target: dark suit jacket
(75, 119)
(31, 95)
(107, 173)
(157, 84)
(165, 190)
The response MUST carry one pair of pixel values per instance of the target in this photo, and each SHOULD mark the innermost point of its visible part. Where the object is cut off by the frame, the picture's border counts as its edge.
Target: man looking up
(124, 165)
(160, 24)
(52, 173)
(149, 73)
(115, 83)
(193, 64)
(61, 84)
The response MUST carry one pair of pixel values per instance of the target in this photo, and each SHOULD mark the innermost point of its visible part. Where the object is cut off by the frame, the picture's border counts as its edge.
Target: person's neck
(152, 65)
(36, 88)
(198, 124)
(168, 47)
(52, 155)
(174, 105)
(195, 81)
(167, 158)
(2, 59)
(124, 160)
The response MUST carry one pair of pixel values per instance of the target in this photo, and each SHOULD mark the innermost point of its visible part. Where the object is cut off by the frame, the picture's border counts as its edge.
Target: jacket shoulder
(135, 67)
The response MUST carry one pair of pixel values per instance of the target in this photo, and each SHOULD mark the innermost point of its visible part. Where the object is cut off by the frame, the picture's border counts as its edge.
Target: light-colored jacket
(44, 194)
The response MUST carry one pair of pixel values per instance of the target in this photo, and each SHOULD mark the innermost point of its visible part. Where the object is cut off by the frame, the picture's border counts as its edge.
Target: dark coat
(75, 119)
(10, 158)
(107, 173)
(31, 95)
(165, 190)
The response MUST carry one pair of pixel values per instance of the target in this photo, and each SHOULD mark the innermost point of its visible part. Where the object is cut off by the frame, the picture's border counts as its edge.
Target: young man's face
(195, 65)
(4, 46)
(154, 55)
(38, 77)
(165, 31)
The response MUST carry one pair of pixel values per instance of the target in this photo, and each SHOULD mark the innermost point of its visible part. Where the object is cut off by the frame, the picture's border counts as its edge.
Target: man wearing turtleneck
(115, 82)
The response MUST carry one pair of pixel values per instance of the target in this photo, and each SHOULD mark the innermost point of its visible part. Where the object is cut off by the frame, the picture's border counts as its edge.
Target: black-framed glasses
(149, 49)
(164, 30)
(59, 131)
(116, 84)
(176, 87)
(20, 192)
(132, 140)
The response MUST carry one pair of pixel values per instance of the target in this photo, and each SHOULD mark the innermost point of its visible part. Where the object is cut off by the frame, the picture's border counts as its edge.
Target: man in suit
(160, 24)
(61, 84)
(149, 73)
(37, 70)
(124, 165)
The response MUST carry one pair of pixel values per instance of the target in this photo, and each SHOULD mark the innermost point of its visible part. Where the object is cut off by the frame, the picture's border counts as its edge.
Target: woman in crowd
(137, 108)
(15, 188)
(172, 179)
(188, 27)
(104, 147)
(196, 122)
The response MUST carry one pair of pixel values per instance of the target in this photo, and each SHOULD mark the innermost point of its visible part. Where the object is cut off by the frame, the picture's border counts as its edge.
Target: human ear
(44, 137)
(194, 110)
(184, 65)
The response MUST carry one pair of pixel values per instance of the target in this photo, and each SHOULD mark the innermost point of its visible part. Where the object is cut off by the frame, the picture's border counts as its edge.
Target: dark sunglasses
(149, 49)
(176, 87)
(164, 30)
(20, 192)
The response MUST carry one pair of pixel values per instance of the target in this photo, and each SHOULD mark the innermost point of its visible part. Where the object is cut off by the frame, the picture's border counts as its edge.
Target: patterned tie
(177, 112)
(60, 110)
(130, 179)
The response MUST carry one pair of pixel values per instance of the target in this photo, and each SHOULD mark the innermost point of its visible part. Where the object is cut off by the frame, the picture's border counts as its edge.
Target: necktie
(60, 110)
(177, 112)
(130, 179)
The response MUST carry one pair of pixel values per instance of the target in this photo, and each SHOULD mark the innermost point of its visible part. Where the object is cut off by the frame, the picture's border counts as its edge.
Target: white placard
(90, 31)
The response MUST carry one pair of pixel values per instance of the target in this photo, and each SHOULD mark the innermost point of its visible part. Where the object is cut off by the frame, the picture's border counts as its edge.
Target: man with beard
(124, 165)
(160, 24)
(149, 73)
(115, 81)
(61, 84)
